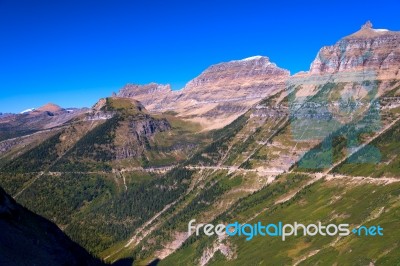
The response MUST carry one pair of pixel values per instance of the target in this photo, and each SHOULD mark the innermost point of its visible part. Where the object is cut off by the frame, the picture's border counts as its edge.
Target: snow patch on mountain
(27, 111)
(252, 58)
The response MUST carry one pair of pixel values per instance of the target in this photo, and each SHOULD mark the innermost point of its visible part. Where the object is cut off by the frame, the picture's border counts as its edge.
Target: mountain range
(244, 141)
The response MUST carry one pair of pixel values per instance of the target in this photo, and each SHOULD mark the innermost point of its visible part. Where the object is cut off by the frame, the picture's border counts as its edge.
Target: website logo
(281, 230)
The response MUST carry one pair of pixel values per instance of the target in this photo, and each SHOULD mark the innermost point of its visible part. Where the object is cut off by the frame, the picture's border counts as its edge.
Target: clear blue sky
(74, 52)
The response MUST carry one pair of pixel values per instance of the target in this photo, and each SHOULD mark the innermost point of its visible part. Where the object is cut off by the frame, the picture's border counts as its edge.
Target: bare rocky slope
(365, 50)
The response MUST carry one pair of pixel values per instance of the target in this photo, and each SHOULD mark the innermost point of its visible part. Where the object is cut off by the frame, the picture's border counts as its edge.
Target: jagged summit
(368, 51)
(368, 26)
(367, 31)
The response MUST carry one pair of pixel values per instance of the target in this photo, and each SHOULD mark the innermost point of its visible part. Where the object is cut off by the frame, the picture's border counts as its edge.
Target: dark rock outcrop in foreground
(29, 239)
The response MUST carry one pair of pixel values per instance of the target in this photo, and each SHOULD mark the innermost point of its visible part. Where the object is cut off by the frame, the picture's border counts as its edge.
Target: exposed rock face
(367, 55)
(134, 135)
(237, 81)
(149, 95)
(344, 82)
(28, 239)
(98, 115)
(148, 127)
(373, 50)
(134, 126)
(218, 95)
(100, 104)
(132, 90)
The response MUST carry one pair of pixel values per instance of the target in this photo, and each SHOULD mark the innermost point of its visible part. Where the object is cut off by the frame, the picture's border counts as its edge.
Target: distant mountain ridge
(218, 95)
(226, 90)
(49, 107)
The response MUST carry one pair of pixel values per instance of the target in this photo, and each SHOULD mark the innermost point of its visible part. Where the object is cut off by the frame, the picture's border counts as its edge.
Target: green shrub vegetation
(36, 159)
(116, 219)
(325, 201)
(213, 152)
(380, 160)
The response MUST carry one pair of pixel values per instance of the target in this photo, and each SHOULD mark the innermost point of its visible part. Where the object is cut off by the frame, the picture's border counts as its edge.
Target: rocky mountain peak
(49, 107)
(373, 50)
(367, 25)
(368, 32)
(230, 73)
